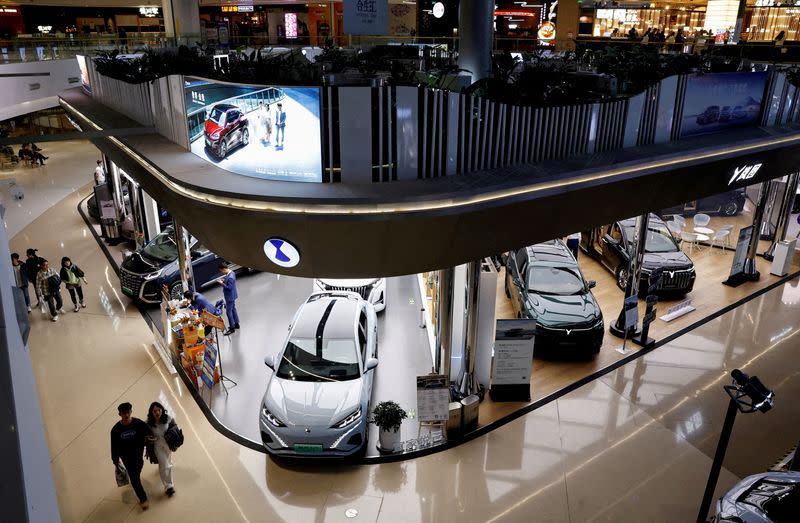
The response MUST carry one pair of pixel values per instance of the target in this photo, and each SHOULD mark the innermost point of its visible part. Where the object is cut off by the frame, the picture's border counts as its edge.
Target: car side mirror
(269, 361)
(591, 284)
(371, 364)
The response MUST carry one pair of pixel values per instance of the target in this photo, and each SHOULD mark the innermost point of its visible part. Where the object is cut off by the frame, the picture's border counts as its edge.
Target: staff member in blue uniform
(198, 302)
(228, 282)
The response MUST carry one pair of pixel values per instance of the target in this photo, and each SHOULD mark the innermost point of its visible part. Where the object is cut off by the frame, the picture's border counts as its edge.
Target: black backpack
(174, 437)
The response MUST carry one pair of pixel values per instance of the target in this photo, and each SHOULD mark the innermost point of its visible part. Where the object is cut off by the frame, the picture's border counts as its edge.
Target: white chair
(701, 220)
(680, 220)
(675, 228)
(721, 237)
(689, 238)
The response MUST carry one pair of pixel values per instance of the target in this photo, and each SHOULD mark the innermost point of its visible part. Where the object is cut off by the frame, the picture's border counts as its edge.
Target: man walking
(228, 282)
(280, 125)
(32, 264)
(21, 278)
(99, 173)
(49, 284)
(128, 438)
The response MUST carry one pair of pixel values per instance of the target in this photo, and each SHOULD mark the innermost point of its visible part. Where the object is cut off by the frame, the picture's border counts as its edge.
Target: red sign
(506, 12)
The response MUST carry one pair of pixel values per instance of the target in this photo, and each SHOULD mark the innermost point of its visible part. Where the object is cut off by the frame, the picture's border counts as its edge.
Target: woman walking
(71, 275)
(159, 422)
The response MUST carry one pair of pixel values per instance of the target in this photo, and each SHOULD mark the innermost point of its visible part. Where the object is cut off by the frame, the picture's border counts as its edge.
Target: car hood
(212, 127)
(137, 264)
(667, 260)
(731, 505)
(312, 404)
(564, 311)
(358, 282)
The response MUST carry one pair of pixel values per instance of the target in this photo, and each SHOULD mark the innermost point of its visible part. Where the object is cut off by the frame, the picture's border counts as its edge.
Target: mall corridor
(634, 445)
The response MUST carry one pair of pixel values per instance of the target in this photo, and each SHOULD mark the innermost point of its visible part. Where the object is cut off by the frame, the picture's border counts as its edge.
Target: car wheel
(245, 137)
(622, 277)
(176, 291)
(223, 148)
(730, 209)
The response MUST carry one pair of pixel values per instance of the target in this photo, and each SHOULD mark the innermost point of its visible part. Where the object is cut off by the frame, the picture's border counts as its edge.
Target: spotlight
(758, 397)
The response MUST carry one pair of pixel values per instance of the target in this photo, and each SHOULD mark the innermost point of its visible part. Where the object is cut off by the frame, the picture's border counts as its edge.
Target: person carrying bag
(72, 275)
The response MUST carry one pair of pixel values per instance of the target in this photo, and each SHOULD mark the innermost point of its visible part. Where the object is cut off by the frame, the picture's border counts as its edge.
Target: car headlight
(153, 275)
(598, 324)
(215, 135)
(267, 415)
(348, 420)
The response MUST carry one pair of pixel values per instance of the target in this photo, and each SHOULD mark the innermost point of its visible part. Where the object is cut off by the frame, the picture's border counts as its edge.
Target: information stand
(643, 339)
(433, 405)
(631, 317)
(216, 322)
(512, 360)
(737, 275)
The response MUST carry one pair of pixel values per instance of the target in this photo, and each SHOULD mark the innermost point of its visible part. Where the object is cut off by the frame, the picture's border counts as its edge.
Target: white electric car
(371, 289)
(317, 400)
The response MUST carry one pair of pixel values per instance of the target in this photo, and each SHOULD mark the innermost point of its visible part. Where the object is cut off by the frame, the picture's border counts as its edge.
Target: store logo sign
(744, 173)
(281, 253)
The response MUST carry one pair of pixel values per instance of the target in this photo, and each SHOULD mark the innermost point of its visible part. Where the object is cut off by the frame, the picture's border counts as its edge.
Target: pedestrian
(280, 124)
(573, 242)
(159, 422)
(32, 264)
(99, 173)
(72, 275)
(21, 278)
(49, 283)
(198, 302)
(128, 438)
(228, 282)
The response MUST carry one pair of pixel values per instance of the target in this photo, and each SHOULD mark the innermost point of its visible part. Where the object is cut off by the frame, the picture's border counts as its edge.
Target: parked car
(143, 273)
(738, 113)
(371, 289)
(725, 114)
(728, 203)
(225, 129)
(710, 115)
(544, 282)
(612, 245)
(317, 399)
(770, 497)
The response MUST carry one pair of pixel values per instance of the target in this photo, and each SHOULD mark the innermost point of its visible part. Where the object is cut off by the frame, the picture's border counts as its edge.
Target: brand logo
(671, 274)
(744, 173)
(569, 331)
(281, 253)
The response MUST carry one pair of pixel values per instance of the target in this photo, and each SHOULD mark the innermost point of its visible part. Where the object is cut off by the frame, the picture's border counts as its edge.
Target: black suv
(728, 203)
(612, 245)
(543, 282)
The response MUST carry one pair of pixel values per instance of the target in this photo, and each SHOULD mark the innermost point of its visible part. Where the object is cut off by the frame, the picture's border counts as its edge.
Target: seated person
(198, 302)
(30, 154)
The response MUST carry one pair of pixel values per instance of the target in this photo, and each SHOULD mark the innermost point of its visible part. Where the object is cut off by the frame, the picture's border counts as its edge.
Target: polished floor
(632, 446)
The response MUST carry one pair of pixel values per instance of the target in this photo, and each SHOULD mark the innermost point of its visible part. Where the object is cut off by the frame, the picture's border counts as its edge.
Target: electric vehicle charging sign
(281, 253)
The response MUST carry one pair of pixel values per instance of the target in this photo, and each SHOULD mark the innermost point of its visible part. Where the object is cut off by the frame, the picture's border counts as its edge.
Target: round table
(703, 230)
(702, 237)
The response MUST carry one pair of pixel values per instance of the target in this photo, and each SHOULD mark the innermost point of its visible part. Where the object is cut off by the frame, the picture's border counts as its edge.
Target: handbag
(121, 475)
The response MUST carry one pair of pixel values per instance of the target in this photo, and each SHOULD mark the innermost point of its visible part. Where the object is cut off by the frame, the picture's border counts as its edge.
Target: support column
(184, 255)
(784, 214)
(475, 34)
(182, 21)
(444, 321)
(634, 271)
(467, 382)
(567, 14)
(750, 273)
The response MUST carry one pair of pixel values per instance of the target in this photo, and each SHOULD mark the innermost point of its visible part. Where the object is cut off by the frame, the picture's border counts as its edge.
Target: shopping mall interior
(400, 260)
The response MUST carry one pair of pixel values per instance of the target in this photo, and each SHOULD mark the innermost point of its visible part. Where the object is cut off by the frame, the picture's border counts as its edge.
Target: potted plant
(388, 416)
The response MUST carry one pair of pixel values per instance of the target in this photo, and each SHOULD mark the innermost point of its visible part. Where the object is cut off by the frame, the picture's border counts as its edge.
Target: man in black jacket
(128, 438)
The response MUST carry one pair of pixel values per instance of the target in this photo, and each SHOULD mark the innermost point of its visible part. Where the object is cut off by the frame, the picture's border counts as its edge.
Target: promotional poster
(85, 82)
(722, 100)
(256, 130)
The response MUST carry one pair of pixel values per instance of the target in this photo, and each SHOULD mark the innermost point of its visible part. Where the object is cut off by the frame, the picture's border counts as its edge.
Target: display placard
(631, 311)
(213, 320)
(745, 234)
(366, 17)
(209, 362)
(433, 398)
(513, 352)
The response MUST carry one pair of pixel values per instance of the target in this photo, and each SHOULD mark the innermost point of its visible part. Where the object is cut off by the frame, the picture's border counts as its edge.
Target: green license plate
(125, 289)
(307, 449)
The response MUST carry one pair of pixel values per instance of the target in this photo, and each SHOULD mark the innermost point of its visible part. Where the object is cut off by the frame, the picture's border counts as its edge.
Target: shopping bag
(121, 475)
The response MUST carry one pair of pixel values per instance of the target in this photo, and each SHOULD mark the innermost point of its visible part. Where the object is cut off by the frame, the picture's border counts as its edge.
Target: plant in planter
(388, 416)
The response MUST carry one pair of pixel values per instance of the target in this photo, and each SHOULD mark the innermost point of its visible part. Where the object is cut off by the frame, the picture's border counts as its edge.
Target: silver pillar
(467, 382)
(784, 213)
(184, 255)
(475, 33)
(182, 21)
(444, 321)
(750, 271)
(634, 272)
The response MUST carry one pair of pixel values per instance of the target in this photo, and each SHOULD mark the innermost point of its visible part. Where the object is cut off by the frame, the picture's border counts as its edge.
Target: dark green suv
(544, 283)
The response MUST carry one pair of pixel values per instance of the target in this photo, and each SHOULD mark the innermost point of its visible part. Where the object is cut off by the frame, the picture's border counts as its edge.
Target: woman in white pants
(159, 421)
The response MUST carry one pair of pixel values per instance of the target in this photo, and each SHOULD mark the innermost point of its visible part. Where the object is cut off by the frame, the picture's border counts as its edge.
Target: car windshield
(162, 248)
(659, 239)
(334, 360)
(217, 116)
(554, 280)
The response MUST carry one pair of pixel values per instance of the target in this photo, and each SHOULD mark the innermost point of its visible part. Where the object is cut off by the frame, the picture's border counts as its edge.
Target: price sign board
(433, 398)
(513, 352)
(209, 363)
(213, 320)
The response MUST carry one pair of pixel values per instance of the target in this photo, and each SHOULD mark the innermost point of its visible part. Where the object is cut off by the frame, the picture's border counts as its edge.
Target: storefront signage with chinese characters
(366, 17)
(148, 12)
(744, 172)
(237, 8)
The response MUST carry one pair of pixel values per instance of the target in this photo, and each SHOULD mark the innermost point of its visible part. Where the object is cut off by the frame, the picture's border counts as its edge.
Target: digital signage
(261, 131)
(718, 101)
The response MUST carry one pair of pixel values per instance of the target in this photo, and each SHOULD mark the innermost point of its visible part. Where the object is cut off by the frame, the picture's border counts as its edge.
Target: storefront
(764, 19)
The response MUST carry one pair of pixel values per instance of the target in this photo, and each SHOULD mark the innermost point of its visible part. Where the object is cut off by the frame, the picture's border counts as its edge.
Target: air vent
(34, 87)
(73, 79)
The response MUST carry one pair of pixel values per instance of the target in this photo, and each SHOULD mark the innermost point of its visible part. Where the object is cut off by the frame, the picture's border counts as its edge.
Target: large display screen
(256, 130)
(85, 82)
(715, 102)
